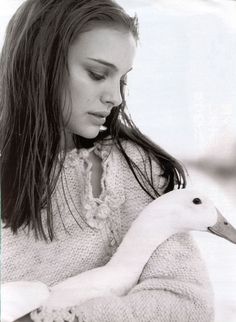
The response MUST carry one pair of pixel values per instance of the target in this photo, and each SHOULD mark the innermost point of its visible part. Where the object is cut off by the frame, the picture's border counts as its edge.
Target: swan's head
(194, 211)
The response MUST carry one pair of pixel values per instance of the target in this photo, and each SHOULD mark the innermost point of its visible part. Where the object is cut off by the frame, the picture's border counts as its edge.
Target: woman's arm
(174, 286)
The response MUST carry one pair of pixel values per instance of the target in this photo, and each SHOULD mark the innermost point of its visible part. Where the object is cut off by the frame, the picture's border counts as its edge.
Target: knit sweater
(174, 285)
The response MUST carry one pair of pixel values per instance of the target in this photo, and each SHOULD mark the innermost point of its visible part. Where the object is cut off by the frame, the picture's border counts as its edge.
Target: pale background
(182, 94)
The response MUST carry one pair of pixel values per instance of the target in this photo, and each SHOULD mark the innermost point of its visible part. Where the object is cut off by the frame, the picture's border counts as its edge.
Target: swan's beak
(223, 228)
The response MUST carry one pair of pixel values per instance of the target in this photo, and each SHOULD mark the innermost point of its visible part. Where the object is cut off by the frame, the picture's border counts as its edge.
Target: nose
(112, 96)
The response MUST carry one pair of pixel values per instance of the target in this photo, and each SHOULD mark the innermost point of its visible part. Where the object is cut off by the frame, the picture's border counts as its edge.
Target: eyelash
(123, 82)
(96, 76)
(99, 77)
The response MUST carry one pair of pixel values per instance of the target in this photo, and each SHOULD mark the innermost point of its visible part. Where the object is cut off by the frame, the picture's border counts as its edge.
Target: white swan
(176, 211)
(19, 298)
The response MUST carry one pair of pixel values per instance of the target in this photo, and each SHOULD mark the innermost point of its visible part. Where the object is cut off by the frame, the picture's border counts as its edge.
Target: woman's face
(98, 61)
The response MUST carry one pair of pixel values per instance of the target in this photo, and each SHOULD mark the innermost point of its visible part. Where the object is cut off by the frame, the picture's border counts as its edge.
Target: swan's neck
(139, 243)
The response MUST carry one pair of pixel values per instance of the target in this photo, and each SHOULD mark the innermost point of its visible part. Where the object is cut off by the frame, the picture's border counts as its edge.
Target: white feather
(20, 298)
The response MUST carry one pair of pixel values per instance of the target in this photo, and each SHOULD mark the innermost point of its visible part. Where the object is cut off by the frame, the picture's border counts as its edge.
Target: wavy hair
(32, 66)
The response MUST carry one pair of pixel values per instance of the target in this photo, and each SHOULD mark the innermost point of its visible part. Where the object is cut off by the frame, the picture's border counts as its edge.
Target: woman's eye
(123, 82)
(96, 76)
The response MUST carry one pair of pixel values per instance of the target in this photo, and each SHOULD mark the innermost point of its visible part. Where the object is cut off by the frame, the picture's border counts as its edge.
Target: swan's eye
(197, 201)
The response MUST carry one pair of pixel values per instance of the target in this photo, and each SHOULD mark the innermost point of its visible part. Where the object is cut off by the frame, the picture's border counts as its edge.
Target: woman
(76, 171)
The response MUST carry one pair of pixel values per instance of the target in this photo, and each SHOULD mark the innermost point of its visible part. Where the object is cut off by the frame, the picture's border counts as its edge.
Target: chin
(90, 134)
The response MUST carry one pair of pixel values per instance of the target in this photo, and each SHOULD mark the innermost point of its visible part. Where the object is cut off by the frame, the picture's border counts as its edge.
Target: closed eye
(96, 76)
(123, 81)
(99, 77)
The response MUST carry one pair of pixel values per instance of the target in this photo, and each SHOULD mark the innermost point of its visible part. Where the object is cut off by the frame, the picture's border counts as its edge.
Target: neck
(67, 141)
(139, 243)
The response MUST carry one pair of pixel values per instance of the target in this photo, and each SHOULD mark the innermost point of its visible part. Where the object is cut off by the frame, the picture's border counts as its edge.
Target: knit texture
(174, 285)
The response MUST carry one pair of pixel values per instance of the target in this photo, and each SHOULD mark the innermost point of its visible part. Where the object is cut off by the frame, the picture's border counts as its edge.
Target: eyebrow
(105, 63)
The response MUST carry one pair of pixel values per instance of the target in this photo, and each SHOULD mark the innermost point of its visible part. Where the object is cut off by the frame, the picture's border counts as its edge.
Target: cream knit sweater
(174, 285)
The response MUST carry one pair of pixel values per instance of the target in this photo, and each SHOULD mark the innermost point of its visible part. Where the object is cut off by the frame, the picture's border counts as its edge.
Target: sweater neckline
(101, 148)
(96, 210)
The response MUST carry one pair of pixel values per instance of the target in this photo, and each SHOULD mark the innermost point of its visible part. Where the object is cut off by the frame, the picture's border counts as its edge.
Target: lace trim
(95, 210)
(61, 315)
(103, 150)
(103, 212)
(44, 314)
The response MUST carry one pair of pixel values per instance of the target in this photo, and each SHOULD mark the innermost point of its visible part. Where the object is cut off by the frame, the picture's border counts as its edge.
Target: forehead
(116, 46)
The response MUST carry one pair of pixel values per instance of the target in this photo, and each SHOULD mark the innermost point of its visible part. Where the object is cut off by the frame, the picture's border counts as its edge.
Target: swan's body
(19, 298)
(177, 211)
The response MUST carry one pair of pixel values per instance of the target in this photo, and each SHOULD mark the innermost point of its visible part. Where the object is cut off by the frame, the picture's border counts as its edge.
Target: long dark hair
(32, 66)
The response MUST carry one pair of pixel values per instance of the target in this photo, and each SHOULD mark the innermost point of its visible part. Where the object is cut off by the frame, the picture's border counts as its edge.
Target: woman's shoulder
(143, 163)
(130, 148)
(139, 154)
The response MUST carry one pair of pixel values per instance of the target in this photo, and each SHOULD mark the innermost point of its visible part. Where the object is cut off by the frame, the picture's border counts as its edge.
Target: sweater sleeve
(173, 287)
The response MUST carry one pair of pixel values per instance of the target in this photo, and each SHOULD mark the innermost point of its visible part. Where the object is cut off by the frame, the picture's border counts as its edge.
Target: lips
(98, 118)
(100, 114)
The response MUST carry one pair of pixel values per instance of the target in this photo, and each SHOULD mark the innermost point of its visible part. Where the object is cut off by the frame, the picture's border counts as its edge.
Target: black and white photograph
(118, 160)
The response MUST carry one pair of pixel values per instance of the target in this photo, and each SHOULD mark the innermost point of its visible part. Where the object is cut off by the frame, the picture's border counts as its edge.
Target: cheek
(76, 89)
(82, 92)
(65, 105)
